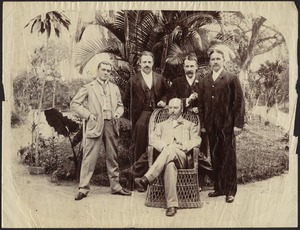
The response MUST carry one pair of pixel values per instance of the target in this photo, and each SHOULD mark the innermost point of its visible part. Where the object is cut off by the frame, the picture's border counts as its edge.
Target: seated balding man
(174, 138)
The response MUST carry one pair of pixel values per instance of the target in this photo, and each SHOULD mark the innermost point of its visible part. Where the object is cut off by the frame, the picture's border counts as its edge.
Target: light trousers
(90, 155)
(169, 160)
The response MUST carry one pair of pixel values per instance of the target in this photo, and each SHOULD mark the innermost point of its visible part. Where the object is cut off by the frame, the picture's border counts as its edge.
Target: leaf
(61, 124)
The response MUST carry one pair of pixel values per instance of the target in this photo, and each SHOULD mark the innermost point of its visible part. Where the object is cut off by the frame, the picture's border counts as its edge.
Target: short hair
(105, 63)
(191, 57)
(216, 51)
(146, 53)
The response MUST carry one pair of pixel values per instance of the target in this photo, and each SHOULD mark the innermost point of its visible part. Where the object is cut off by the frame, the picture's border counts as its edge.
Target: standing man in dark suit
(146, 91)
(186, 88)
(222, 110)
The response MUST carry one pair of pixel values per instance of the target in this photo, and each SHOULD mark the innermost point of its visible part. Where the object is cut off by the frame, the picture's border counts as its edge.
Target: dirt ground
(33, 201)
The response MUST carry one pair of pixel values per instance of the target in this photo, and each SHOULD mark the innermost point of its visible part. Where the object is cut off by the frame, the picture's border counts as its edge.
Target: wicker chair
(187, 180)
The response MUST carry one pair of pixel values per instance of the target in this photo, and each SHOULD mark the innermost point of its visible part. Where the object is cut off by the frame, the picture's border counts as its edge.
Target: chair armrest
(150, 155)
(196, 152)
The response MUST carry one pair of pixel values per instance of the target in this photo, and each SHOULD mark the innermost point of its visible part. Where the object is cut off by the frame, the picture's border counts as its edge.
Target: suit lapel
(221, 76)
(210, 78)
(113, 95)
(186, 85)
(194, 86)
(98, 91)
(154, 81)
(141, 82)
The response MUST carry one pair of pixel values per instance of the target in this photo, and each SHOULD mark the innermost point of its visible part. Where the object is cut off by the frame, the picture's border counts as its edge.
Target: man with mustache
(186, 88)
(173, 138)
(221, 111)
(146, 91)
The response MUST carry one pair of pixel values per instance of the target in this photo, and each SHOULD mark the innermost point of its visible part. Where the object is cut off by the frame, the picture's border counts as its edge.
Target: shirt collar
(179, 120)
(190, 80)
(217, 74)
(146, 75)
(102, 82)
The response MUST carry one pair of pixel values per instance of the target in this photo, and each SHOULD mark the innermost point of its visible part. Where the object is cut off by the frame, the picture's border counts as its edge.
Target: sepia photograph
(149, 114)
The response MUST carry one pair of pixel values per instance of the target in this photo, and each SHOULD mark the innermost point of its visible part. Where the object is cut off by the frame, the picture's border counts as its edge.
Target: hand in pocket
(91, 124)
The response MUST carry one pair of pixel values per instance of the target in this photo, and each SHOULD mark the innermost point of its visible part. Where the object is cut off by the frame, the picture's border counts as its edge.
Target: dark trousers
(223, 158)
(140, 135)
(204, 144)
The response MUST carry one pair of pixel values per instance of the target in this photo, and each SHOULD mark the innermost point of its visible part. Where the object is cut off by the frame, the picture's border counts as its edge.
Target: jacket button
(213, 86)
(212, 97)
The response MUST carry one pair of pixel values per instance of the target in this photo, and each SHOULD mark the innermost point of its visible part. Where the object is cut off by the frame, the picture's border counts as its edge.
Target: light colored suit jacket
(185, 132)
(93, 94)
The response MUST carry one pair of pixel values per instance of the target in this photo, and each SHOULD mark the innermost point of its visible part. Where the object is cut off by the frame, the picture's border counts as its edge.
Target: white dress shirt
(216, 74)
(148, 78)
(190, 80)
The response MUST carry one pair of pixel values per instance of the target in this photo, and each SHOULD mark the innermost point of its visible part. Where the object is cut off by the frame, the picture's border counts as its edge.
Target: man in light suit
(145, 92)
(221, 112)
(174, 138)
(104, 108)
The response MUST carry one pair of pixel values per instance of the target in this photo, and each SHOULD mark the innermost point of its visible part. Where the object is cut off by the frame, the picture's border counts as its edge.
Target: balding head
(175, 108)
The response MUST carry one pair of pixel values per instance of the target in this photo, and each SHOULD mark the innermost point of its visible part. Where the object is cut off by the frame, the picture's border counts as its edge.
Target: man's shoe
(171, 211)
(141, 184)
(215, 194)
(123, 192)
(80, 196)
(229, 199)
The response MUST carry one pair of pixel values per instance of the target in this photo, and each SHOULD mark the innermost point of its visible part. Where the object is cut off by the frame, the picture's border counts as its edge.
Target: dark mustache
(191, 72)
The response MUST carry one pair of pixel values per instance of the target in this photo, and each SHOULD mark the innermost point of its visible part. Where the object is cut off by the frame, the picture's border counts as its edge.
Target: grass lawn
(262, 151)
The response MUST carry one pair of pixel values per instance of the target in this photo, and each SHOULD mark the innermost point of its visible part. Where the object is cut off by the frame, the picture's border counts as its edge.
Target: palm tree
(52, 20)
(168, 34)
(182, 33)
(131, 32)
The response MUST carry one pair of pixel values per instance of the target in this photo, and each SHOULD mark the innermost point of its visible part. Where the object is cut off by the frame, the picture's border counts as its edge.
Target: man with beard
(173, 138)
(222, 110)
(146, 91)
(186, 88)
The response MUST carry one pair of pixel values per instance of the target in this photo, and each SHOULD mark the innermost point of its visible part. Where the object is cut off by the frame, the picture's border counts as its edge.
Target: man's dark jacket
(135, 95)
(221, 103)
(182, 89)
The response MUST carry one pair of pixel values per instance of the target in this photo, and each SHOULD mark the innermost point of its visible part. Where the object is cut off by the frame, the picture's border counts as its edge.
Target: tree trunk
(248, 55)
(54, 92)
(126, 31)
(164, 53)
(37, 155)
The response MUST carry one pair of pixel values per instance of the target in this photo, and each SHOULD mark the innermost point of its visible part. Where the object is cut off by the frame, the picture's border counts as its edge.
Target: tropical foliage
(169, 35)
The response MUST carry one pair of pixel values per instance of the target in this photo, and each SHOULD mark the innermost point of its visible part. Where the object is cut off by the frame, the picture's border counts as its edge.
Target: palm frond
(198, 19)
(52, 19)
(176, 33)
(175, 55)
(117, 28)
(91, 48)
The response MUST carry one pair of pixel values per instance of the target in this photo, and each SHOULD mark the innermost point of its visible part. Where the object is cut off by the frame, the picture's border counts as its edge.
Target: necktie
(104, 87)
